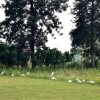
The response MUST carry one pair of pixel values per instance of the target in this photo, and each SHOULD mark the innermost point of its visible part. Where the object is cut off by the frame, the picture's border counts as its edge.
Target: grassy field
(61, 74)
(25, 88)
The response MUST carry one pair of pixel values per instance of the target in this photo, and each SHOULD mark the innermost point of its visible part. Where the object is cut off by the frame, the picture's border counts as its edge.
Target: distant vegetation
(9, 56)
(45, 57)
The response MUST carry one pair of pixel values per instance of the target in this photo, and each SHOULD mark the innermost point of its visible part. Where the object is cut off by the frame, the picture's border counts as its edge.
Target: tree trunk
(32, 40)
(19, 51)
(33, 61)
(10, 57)
(92, 37)
(17, 57)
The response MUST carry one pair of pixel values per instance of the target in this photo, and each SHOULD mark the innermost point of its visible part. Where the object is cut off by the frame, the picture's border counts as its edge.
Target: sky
(63, 43)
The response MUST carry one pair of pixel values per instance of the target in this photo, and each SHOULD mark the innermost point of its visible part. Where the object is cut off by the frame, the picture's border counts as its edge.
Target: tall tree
(13, 27)
(32, 19)
(87, 30)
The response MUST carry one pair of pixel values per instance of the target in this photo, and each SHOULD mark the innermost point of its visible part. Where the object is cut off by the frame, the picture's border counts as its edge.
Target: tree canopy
(87, 30)
(31, 21)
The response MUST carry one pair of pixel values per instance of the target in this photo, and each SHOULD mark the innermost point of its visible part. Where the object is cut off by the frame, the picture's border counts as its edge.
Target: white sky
(63, 43)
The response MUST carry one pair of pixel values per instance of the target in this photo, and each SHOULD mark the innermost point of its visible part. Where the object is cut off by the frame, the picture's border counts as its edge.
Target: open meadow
(35, 87)
(49, 49)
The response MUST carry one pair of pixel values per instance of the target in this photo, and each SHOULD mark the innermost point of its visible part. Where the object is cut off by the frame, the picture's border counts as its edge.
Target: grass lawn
(25, 88)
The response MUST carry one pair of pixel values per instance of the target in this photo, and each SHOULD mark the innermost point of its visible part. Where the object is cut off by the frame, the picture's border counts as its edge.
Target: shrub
(74, 64)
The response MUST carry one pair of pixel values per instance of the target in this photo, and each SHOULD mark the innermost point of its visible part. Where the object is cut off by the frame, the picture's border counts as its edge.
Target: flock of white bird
(82, 81)
(28, 73)
(53, 77)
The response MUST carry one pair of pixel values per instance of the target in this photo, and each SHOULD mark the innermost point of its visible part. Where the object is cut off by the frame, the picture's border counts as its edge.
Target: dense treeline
(46, 56)
(8, 56)
(49, 56)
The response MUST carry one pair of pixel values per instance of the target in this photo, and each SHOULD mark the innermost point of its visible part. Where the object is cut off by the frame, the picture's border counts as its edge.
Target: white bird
(53, 78)
(2, 72)
(69, 81)
(92, 82)
(79, 81)
(28, 73)
(83, 80)
(12, 75)
(22, 75)
(53, 73)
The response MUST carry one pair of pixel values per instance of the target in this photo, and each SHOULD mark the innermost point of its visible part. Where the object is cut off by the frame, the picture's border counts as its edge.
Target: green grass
(24, 88)
(66, 74)
(61, 74)
(39, 86)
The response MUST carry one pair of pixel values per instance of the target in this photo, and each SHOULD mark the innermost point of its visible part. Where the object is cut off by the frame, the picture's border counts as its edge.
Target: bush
(74, 64)
(98, 64)
(9, 56)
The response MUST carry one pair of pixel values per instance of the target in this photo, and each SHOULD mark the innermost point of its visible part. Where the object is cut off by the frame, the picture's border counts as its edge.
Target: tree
(12, 28)
(54, 57)
(9, 55)
(87, 30)
(68, 56)
(32, 19)
(49, 56)
(4, 53)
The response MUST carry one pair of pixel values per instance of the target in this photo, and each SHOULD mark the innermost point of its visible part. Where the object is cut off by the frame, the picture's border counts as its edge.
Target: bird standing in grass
(79, 81)
(22, 75)
(92, 82)
(83, 80)
(69, 81)
(28, 73)
(2, 72)
(53, 76)
(12, 75)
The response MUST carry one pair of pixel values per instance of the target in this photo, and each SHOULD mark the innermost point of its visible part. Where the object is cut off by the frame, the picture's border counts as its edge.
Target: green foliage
(51, 57)
(8, 56)
(4, 53)
(74, 64)
(68, 56)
